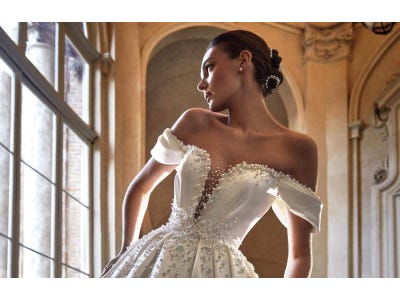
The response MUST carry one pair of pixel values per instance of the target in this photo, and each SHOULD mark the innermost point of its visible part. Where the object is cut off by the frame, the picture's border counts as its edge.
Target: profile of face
(220, 78)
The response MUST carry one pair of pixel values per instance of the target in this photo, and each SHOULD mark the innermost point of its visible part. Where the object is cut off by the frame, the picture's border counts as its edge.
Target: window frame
(53, 97)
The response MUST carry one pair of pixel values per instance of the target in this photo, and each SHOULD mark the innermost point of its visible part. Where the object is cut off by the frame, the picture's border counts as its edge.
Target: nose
(201, 85)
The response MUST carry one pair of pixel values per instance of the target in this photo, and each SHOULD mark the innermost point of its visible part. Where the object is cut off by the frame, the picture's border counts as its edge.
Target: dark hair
(266, 60)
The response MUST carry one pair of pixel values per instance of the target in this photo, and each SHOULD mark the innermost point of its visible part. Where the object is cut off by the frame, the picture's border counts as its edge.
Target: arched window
(46, 150)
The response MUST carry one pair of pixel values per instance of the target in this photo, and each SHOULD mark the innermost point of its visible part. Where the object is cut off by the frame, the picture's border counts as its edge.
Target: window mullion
(58, 157)
(15, 178)
(35, 81)
(57, 217)
(91, 212)
(87, 50)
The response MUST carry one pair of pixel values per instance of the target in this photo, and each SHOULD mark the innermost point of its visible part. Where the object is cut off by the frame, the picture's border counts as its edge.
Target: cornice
(326, 45)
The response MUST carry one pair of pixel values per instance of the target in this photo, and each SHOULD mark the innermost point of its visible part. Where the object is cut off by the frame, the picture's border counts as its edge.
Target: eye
(209, 67)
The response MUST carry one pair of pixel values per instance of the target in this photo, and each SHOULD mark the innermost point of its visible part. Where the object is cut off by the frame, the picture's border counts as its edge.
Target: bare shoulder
(194, 121)
(304, 158)
(301, 143)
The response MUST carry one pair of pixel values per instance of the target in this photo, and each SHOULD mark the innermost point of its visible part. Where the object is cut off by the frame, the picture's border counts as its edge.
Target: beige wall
(326, 89)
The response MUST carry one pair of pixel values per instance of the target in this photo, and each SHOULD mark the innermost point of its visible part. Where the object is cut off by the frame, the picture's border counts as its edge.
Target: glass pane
(75, 234)
(76, 82)
(5, 163)
(5, 149)
(11, 28)
(33, 265)
(75, 167)
(5, 103)
(40, 48)
(37, 142)
(36, 209)
(3, 256)
(71, 273)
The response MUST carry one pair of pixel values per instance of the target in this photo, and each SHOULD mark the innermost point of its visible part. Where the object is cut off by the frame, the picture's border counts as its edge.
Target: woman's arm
(305, 170)
(136, 201)
(299, 262)
(137, 198)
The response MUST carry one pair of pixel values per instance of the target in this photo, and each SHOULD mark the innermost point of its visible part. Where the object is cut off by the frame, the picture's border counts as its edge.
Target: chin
(216, 108)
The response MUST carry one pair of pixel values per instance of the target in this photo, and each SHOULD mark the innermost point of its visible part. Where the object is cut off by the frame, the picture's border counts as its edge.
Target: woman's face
(219, 78)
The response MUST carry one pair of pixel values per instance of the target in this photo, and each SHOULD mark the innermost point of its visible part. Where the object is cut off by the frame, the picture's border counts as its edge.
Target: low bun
(275, 77)
(275, 59)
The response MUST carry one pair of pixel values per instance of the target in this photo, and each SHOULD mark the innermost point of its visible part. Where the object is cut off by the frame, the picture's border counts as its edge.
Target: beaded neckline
(231, 168)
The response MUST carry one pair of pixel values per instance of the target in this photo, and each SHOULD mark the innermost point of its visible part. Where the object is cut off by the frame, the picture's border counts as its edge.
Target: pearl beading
(170, 250)
(205, 158)
(187, 229)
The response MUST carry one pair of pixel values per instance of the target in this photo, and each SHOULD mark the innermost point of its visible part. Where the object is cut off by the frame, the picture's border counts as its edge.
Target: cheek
(220, 79)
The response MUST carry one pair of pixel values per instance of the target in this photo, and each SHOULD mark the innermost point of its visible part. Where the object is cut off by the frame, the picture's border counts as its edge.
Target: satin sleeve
(298, 199)
(168, 149)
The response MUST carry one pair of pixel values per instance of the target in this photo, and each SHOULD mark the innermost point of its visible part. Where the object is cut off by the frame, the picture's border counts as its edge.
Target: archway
(172, 73)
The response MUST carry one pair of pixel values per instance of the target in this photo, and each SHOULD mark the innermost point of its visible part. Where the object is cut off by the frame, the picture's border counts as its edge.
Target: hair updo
(266, 60)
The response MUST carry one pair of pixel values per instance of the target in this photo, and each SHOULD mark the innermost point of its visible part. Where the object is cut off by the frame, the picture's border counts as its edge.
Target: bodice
(223, 205)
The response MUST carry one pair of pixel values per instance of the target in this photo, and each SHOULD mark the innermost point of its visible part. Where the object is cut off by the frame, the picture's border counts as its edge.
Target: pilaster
(326, 61)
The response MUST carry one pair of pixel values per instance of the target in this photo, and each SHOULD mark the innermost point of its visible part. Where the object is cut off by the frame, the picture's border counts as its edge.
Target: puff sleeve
(168, 149)
(298, 199)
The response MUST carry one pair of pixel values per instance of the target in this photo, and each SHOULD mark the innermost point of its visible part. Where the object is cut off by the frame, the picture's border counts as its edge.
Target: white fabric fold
(168, 150)
(298, 199)
(209, 246)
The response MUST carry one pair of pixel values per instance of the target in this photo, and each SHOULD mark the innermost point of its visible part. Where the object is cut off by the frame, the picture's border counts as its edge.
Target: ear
(245, 57)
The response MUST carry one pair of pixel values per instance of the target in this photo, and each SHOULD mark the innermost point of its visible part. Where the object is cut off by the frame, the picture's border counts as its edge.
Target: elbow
(136, 189)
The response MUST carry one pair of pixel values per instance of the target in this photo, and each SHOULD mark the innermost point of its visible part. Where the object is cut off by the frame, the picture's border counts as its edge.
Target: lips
(207, 96)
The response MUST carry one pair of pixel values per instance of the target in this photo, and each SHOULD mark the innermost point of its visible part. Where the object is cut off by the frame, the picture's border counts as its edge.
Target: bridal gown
(202, 238)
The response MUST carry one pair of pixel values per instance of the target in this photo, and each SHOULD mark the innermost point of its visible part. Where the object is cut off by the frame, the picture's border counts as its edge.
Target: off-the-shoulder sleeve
(168, 149)
(299, 199)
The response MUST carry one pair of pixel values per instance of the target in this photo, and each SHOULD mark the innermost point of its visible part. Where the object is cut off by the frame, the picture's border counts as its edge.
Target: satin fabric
(209, 246)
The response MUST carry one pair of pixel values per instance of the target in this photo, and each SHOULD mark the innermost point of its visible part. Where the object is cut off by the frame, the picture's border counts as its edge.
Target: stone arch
(290, 89)
(355, 98)
(290, 98)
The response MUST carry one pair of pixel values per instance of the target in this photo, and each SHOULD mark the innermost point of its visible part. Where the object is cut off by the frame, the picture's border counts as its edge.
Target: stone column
(5, 119)
(355, 128)
(130, 114)
(38, 146)
(326, 54)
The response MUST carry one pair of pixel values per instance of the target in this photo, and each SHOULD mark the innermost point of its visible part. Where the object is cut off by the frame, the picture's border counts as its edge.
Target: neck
(248, 113)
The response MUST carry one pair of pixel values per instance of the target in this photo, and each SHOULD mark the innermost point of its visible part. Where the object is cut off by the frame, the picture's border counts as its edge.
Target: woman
(230, 170)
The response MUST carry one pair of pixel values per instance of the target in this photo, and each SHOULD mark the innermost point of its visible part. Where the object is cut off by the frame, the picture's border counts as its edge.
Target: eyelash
(209, 66)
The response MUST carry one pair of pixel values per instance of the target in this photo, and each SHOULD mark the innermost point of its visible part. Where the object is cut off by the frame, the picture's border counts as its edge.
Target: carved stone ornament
(380, 175)
(327, 44)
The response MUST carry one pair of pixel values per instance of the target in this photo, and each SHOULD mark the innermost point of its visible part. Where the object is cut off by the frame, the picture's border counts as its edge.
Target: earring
(240, 69)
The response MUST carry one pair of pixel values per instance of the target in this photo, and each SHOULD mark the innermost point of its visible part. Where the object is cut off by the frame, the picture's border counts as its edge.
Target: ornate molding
(365, 74)
(356, 128)
(326, 45)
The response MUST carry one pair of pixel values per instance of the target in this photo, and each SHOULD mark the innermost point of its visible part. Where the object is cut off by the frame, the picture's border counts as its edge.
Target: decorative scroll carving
(385, 210)
(381, 173)
(327, 44)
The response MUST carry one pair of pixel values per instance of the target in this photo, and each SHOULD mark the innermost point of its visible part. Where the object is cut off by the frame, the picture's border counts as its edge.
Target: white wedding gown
(207, 245)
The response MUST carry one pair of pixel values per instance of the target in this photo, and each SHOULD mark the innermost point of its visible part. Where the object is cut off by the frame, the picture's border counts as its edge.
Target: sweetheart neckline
(231, 168)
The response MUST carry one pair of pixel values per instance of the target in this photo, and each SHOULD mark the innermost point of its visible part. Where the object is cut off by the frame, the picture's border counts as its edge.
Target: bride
(230, 170)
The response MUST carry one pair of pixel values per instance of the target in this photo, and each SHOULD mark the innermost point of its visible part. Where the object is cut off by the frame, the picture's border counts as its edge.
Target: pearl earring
(240, 69)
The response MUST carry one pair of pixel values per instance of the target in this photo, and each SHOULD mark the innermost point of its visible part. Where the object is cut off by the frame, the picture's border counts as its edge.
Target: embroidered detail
(208, 174)
(185, 228)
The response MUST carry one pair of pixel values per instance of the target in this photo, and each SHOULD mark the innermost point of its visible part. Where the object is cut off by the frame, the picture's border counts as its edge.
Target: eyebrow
(202, 67)
(207, 61)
